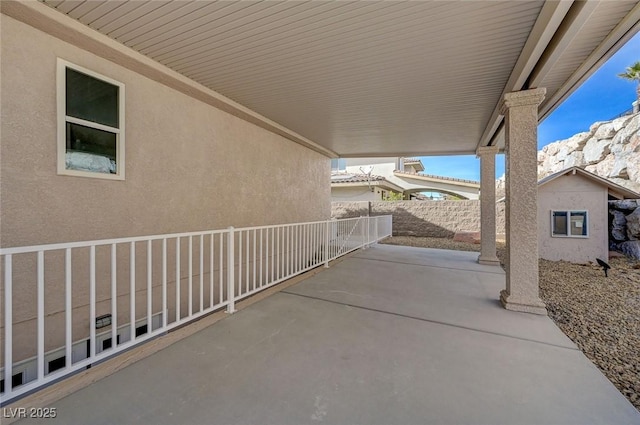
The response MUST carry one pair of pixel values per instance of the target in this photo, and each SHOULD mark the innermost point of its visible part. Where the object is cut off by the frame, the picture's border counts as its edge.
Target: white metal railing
(70, 305)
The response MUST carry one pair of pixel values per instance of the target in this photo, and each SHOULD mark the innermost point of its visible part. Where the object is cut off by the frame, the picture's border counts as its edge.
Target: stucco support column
(487, 156)
(520, 110)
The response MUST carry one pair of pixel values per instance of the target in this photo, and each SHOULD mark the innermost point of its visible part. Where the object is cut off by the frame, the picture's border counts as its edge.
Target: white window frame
(62, 65)
(569, 235)
(340, 164)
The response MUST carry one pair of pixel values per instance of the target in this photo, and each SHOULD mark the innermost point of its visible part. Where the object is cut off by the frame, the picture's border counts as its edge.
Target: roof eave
(611, 186)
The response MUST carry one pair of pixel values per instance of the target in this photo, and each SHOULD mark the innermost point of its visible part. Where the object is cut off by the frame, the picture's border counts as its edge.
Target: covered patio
(352, 79)
(242, 97)
(388, 335)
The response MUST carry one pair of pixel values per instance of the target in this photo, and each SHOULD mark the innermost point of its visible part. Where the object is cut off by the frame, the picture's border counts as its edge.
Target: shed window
(90, 123)
(572, 224)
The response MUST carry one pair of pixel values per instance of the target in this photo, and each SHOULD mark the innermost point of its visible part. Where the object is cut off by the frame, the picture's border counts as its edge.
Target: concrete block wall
(432, 219)
(349, 209)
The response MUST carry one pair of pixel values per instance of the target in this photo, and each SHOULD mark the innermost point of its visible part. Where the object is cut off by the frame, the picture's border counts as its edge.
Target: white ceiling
(373, 78)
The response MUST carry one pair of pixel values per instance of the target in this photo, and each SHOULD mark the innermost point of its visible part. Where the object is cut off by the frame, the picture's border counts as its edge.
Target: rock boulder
(618, 225)
(630, 249)
(633, 225)
(610, 149)
(596, 150)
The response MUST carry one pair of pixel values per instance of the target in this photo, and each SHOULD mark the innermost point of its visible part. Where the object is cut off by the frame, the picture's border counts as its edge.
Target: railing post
(375, 232)
(326, 244)
(40, 316)
(8, 324)
(231, 305)
(365, 231)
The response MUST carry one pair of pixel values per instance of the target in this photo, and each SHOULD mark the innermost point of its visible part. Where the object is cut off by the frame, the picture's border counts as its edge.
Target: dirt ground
(601, 315)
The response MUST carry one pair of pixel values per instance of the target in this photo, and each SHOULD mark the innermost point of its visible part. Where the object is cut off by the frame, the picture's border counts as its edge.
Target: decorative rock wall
(440, 219)
(610, 149)
(624, 227)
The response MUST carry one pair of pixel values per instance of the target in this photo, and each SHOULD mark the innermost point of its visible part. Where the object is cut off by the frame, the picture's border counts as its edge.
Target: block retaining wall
(440, 219)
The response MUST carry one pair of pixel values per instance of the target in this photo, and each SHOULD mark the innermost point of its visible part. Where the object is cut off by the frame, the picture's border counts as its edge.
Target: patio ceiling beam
(400, 153)
(576, 18)
(620, 35)
(548, 22)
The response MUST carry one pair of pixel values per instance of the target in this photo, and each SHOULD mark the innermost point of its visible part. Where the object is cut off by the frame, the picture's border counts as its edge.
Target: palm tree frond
(632, 72)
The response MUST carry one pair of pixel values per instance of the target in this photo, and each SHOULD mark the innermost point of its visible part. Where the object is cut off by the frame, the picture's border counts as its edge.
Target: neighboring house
(573, 218)
(361, 187)
(395, 174)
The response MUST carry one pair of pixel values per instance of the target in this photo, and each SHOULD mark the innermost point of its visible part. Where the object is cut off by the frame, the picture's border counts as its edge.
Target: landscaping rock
(604, 167)
(618, 226)
(630, 249)
(609, 149)
(626, 204)
(619, 168)
(622, 122)
(633, 225)
(605, 131)
(575, 159)
(633, 166)
(596, 150)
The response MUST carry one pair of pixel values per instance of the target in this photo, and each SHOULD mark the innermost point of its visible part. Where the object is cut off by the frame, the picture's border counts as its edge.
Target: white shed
(573, 218)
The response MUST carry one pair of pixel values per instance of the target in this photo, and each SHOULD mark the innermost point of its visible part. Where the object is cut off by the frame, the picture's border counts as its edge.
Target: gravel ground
(601, 315)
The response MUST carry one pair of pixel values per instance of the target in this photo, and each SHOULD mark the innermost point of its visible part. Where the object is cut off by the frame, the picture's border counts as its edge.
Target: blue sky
(603, 96)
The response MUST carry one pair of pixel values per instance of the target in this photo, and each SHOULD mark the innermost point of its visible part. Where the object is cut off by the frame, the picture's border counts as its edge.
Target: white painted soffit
(372, 78)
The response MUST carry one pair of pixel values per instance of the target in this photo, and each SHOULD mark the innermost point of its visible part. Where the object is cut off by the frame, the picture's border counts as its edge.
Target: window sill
(89, 174)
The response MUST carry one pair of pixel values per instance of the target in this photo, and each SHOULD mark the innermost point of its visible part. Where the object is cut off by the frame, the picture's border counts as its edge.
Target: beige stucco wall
(189, 167)
(573, 192)
(355, 193)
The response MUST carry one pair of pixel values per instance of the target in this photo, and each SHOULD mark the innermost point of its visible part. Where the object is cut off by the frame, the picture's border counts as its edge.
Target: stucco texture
(354, 193)
(520, 110)
(189, 166)
(573, 192)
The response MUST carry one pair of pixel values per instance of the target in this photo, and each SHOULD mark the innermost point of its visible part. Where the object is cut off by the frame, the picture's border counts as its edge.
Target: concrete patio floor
(391, 335)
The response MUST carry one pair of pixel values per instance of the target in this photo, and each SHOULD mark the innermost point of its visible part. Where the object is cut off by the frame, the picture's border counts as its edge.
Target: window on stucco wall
(571, 224)
(338, 164)
(90, 123)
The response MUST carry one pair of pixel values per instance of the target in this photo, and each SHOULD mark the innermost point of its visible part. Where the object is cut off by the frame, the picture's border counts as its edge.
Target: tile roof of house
(433, 176)
(354, 178)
